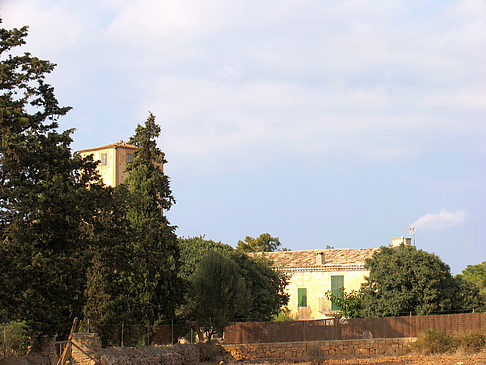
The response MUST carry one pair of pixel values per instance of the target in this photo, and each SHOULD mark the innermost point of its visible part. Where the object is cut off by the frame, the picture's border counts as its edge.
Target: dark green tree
(154, 252)
(219, 294)
(476, 276)
(47, 199)
(468, 297)
(266, 287)
(109, 302)
(263, 243)
(194, 249)
(472, 281)
(404, 280)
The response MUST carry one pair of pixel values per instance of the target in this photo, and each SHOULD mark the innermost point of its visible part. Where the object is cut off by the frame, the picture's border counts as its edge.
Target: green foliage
(266, 287)
(46, 203)
(404, 280)
(350, 303)
(476, 275)
(471, 341)
(434, 342)
(155, 256)
(109, 300)
(284, 314)
(16, 338)
(263, 243)
(134, 277)
(219, 293)
(194, 249)
(468, 297)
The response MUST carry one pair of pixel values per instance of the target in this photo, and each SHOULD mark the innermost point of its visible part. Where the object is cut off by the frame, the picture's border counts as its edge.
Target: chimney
(320, 259)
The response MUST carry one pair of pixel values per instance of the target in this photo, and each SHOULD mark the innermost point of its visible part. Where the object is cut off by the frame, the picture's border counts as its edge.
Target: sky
(320, 122)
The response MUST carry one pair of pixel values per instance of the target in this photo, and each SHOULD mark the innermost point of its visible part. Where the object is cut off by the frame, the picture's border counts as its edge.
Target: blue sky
(320, 122)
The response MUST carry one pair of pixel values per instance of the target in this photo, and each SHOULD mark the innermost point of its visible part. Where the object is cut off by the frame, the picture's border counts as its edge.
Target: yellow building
(113, 159)
(314, 272)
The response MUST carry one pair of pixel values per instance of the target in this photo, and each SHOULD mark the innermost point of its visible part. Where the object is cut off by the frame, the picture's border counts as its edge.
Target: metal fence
(349, 329)
(136, 333)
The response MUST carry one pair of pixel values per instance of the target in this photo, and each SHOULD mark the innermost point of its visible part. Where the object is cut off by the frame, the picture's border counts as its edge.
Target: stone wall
(87, 351)
(291, 351)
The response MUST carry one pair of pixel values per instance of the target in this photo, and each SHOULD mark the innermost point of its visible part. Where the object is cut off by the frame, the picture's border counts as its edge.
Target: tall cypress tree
(46, 210)
(155, 259)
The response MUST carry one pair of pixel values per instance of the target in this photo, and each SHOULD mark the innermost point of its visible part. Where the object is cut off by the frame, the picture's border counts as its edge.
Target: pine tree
(155, 257)
(45, 207)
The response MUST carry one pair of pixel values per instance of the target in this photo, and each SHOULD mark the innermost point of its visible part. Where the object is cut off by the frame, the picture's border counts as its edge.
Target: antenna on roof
(412, 232)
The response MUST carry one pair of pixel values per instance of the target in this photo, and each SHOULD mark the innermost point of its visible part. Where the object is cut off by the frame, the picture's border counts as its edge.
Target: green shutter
(337, 283)
(302, 293)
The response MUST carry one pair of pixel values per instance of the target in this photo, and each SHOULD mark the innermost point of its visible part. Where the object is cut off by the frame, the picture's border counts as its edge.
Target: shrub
(434, 342)
(471, 341)
(16, 339)
(285, 315)
(209, 351)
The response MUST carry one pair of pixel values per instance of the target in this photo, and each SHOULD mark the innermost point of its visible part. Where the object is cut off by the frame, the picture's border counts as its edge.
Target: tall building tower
(114, 159)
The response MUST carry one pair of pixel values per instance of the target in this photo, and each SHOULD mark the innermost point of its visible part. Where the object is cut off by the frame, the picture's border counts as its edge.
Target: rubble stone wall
(87, 351)
(291, 351)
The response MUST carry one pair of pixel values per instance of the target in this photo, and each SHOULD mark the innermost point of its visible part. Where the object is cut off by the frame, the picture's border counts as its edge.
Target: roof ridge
(111, 145)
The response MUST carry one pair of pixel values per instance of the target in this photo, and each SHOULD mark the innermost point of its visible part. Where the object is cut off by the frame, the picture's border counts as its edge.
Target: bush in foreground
(435, 342)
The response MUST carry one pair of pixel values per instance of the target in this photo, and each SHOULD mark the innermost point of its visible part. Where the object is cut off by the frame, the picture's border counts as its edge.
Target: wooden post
(4, 340)
(123, 327)
(172, 332)
(67, 349)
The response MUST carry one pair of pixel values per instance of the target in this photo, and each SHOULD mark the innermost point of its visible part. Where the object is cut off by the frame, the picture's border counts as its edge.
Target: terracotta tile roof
(336, 257)
(112, 145)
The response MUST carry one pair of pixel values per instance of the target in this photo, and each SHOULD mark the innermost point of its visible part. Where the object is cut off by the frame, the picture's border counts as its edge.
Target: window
(337, 285)
(104, 159)
(302, 294)
(129, 157)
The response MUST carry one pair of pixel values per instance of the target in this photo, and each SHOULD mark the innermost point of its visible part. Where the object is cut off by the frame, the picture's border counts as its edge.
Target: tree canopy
(47, 197)
(474, 276)
(263, 243)
(218, 293)
(264, 286)
(194, 249)
(404, 280)
(134, 277)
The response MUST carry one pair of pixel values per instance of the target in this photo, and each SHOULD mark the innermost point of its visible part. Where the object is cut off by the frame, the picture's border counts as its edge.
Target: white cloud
(440, 221)
(265, 79)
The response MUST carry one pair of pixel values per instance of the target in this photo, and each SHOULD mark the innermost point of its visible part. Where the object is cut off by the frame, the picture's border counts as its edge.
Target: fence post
(4, 340)
(172, 332)
(122, 329)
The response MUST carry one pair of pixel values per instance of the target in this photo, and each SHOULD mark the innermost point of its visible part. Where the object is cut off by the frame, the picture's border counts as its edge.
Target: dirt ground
(444, 359)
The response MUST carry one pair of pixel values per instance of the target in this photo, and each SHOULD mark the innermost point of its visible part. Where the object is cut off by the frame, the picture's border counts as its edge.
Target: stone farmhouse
(314, 272)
